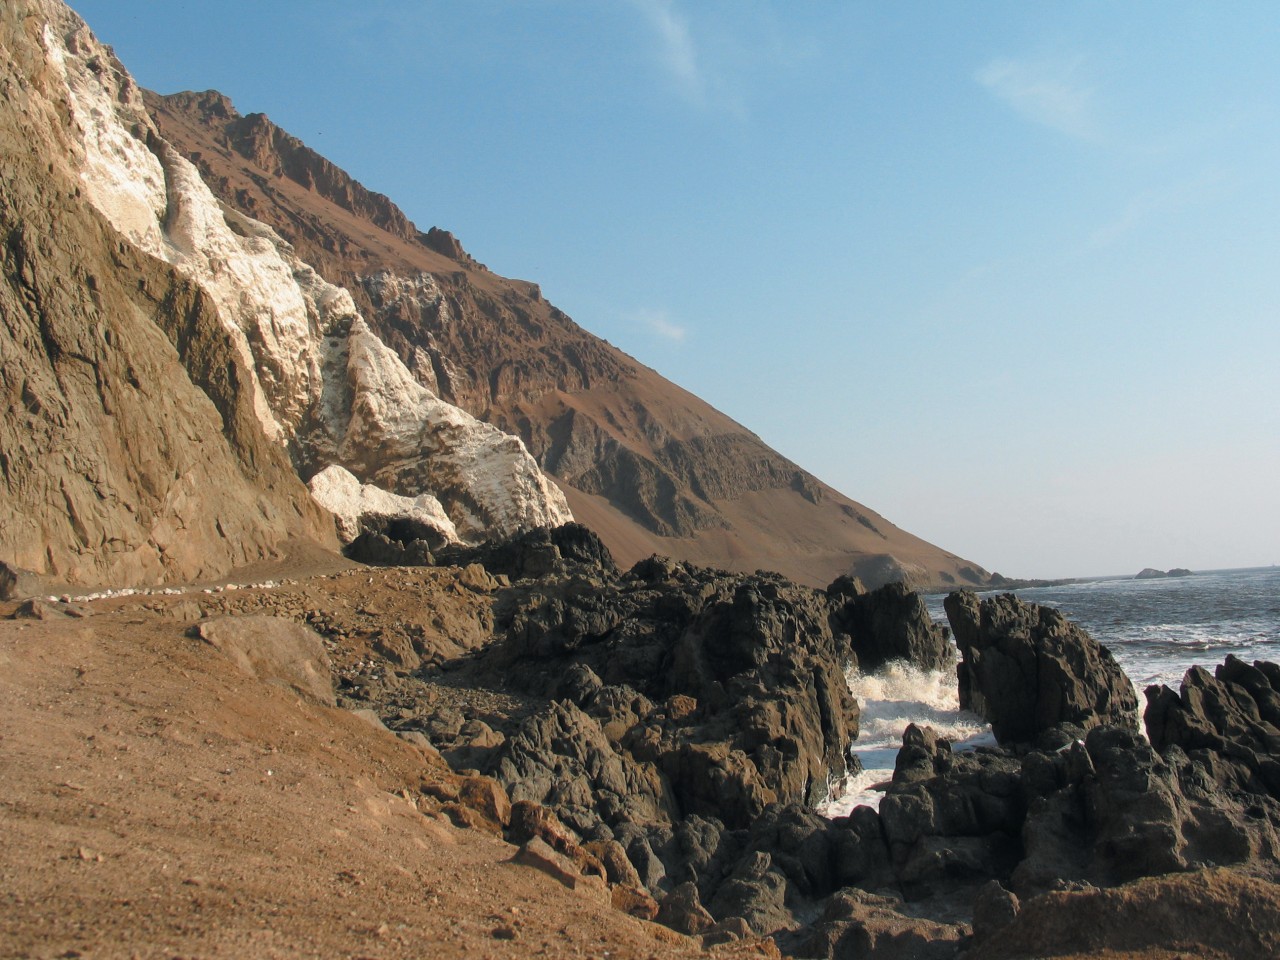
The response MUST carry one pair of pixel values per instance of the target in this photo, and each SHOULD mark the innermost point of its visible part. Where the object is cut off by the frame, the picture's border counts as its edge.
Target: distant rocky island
(1151, 573)
(1000, 582)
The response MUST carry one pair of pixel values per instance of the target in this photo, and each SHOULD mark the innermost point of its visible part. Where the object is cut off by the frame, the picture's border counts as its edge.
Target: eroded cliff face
(650, 466)
(115, 466)
(175, 365)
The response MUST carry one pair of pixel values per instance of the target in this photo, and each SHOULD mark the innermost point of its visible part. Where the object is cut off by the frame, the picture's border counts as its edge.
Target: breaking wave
(892, 697)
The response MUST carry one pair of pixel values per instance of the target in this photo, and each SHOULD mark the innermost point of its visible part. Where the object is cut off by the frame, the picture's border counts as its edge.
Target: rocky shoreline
(669, 728)
(656, 740)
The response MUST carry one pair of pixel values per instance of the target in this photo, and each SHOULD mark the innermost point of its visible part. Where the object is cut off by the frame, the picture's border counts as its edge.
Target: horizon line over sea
(1093, 578)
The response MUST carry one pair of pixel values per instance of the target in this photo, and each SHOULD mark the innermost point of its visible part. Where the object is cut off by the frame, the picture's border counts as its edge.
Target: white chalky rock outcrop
(324, 385)
(356, 505)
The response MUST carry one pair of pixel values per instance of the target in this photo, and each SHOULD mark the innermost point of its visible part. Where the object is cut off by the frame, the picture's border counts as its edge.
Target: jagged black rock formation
(731, 687)
(538, 553)
(681, 722)
(378, 549)
(1027, 669)
(1228, 720)
(891, 623)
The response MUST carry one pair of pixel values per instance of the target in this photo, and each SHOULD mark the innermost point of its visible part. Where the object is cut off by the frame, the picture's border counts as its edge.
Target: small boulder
(682, 911)
(537, 854)
(475, 577)
(34, 609)
(993, 909)
(17, 583)
(531, 821)
(273, 649)
(634, 900)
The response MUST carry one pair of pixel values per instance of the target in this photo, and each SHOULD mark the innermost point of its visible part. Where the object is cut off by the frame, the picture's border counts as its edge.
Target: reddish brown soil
(157, 803)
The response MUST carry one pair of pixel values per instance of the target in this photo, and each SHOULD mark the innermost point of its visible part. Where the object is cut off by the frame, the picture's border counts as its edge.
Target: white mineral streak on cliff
(323, 383)
(350, 501)
(164, 208)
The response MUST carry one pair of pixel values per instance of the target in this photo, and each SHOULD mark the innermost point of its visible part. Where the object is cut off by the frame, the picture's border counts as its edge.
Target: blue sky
(1008, 273)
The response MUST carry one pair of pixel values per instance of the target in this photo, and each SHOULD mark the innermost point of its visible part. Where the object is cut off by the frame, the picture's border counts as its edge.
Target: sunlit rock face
(320, 382)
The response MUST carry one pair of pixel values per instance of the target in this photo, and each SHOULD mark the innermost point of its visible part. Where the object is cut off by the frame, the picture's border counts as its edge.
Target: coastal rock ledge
(680, 723)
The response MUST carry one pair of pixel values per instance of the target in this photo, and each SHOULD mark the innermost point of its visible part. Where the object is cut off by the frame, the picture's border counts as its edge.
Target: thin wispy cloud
(677, 51)
(712, 60)
(659, 324)
(1150, 205)
(1054, 91)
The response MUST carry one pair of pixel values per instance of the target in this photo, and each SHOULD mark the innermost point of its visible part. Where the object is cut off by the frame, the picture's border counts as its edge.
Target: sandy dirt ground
(157, 802)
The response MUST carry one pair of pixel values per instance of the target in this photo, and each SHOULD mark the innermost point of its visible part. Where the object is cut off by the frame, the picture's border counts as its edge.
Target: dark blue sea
(1156, 629)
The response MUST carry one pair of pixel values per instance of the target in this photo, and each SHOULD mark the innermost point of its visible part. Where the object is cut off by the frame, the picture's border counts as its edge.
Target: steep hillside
(174, 368)
(127, 454)
(647, 464)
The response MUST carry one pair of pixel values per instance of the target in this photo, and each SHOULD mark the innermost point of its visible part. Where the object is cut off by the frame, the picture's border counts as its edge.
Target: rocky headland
(1151, 573)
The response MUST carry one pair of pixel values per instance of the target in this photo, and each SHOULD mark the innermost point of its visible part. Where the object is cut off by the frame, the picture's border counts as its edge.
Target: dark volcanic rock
(1232, 716)
(1124, 811)
(891, 623)
(561, 758)
(1211, 913)
(378, 549)
(731, 687)
(756, 892)
(537, 553)
(1103, 810)
(1027, 669)
(857, 925)
(993, 910)
(952, 817)
(677, 722)
(682, 910)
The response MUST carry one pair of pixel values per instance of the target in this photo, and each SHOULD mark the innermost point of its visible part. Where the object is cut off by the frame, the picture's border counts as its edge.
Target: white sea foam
(893, 697)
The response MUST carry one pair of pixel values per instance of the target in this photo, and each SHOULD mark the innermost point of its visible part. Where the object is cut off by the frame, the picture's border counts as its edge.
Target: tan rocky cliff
(301, 383)
(128, 454)
(648, 465)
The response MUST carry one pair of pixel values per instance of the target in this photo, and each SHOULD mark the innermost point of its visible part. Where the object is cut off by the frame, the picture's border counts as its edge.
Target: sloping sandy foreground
(156, 802)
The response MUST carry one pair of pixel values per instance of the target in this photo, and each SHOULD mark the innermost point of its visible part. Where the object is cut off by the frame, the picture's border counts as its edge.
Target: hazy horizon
(1005, 273)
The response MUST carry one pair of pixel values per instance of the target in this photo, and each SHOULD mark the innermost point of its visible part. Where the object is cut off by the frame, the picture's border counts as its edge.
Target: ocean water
(1156, 629)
